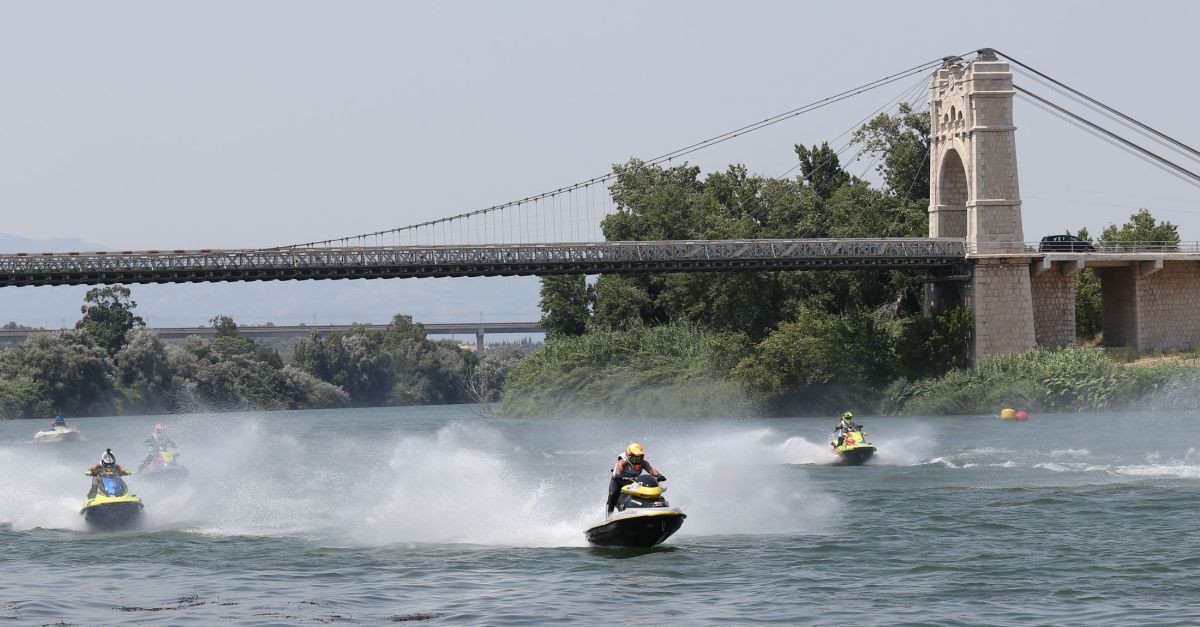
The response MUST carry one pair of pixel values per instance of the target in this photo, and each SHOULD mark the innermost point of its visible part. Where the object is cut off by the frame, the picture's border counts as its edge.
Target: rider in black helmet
(107, 467)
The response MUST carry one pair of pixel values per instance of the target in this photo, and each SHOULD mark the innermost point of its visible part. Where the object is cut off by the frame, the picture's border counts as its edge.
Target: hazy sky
(229, 124)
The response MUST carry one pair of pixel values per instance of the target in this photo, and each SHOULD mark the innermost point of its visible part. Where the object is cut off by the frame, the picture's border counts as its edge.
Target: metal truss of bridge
(930, 254)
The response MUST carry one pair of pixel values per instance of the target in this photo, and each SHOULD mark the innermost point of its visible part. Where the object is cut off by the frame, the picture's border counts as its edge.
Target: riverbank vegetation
(111, 364)
(1070, 379)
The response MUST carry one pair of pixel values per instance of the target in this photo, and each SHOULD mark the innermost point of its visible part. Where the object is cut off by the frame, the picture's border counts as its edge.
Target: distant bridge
(478, 329)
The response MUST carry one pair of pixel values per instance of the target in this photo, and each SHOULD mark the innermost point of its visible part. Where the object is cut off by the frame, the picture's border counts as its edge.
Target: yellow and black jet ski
(113, 507)
(642, 518)
(852, 447)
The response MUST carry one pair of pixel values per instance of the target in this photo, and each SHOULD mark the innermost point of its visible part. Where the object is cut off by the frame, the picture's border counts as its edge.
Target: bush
(1070, 379)
(674, 369)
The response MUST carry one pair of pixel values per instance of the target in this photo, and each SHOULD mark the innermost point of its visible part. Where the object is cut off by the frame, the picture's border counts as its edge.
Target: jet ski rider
(629, 467)
(158, 440)
(107, 467)
(845, 425)
(58, 423)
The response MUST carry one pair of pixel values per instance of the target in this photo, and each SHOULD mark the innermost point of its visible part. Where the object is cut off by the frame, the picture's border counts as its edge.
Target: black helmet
(108, 460)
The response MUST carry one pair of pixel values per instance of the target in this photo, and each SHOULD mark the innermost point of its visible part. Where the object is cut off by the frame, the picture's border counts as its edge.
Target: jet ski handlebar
(629, 480)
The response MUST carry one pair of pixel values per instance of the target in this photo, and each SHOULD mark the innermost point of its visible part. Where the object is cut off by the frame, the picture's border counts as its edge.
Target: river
(438, 516)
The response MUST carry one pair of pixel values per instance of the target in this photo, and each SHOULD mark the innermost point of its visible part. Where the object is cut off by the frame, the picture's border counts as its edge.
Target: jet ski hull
(636, 528)
(855, 456)
(110, 513)
(165, 475)
(57, 435)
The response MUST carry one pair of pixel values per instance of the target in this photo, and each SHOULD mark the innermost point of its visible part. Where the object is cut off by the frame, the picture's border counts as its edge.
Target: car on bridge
(1064, 244)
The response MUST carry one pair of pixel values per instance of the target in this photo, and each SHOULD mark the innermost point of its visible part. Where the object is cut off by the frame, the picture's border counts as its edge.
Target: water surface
(433, 516)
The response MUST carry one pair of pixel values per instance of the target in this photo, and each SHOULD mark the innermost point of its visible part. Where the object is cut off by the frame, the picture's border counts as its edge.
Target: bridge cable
(674, 154)
(1146, 155)
(1164, 136)
(1118, 120)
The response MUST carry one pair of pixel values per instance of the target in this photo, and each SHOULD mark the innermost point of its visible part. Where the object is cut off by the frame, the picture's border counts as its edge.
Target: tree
(934, 345)
(1089, 305)
(355, 361)
(427, 372)
(22, 397)
(620, 303)
(564, 302)
(224, 325)
(653, 203)
(1141, 228)
(903, 141)
(821, 170)
(820, 349)
(108, 316)
(486, 380)
(144, 370)
(76, 373)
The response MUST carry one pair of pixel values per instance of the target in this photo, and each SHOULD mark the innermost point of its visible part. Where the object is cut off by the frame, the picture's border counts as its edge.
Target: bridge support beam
(1150, 306)
(479, 342)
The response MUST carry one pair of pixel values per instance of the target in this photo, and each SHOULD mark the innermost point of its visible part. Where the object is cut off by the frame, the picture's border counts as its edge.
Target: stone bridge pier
(974, 194)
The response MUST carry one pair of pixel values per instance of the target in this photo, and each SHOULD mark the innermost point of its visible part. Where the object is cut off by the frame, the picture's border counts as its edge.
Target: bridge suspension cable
(1107, 111)
(1180, 172)
(446, 225)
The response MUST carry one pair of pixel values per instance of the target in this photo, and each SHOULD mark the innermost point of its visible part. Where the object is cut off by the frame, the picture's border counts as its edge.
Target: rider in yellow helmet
(629, 466)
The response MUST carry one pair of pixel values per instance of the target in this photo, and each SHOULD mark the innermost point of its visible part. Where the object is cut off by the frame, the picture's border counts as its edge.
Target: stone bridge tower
(973, 194)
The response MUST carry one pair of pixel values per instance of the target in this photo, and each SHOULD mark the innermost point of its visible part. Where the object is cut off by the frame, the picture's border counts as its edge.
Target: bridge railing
(1087, 247)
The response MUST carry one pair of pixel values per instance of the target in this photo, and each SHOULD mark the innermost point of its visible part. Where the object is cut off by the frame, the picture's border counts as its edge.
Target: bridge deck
(485, 260)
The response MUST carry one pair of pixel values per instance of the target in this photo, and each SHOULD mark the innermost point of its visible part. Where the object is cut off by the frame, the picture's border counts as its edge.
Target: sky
(151, 125)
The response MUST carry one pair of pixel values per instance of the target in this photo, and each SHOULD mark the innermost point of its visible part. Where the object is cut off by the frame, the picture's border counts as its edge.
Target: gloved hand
(660, 477)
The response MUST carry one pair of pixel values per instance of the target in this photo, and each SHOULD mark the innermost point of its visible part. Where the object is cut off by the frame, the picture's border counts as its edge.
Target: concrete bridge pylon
(974, 194)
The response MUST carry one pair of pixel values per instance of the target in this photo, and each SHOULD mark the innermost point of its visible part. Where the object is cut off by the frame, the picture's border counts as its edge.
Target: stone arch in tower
(972, 138)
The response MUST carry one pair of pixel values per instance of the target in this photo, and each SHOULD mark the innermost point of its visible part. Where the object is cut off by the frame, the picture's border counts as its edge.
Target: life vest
(632, 471)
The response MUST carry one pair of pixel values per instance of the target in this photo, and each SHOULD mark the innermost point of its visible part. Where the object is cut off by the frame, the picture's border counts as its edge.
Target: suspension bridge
(976, 249)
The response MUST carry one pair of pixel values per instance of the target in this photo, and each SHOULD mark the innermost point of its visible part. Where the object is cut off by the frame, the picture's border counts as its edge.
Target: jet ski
(165, 466)
(854, 450)
(57, 434)
(642, 518)
(113, 507)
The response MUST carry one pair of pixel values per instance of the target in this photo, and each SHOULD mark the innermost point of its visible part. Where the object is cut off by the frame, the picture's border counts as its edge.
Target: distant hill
(10, 243)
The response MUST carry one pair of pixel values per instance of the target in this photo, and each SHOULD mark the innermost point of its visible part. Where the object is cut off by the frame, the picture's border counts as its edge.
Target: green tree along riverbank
(798, 343)
(111, 364)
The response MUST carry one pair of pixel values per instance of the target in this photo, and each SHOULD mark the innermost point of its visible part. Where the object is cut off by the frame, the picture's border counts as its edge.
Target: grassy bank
(1070, 379)
(669, 370)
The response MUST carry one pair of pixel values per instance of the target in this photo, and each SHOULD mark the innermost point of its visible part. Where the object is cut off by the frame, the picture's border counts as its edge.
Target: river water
(434, 516)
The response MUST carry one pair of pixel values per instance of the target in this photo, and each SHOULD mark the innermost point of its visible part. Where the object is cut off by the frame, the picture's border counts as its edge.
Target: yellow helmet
(847, 416)
(635, 449)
